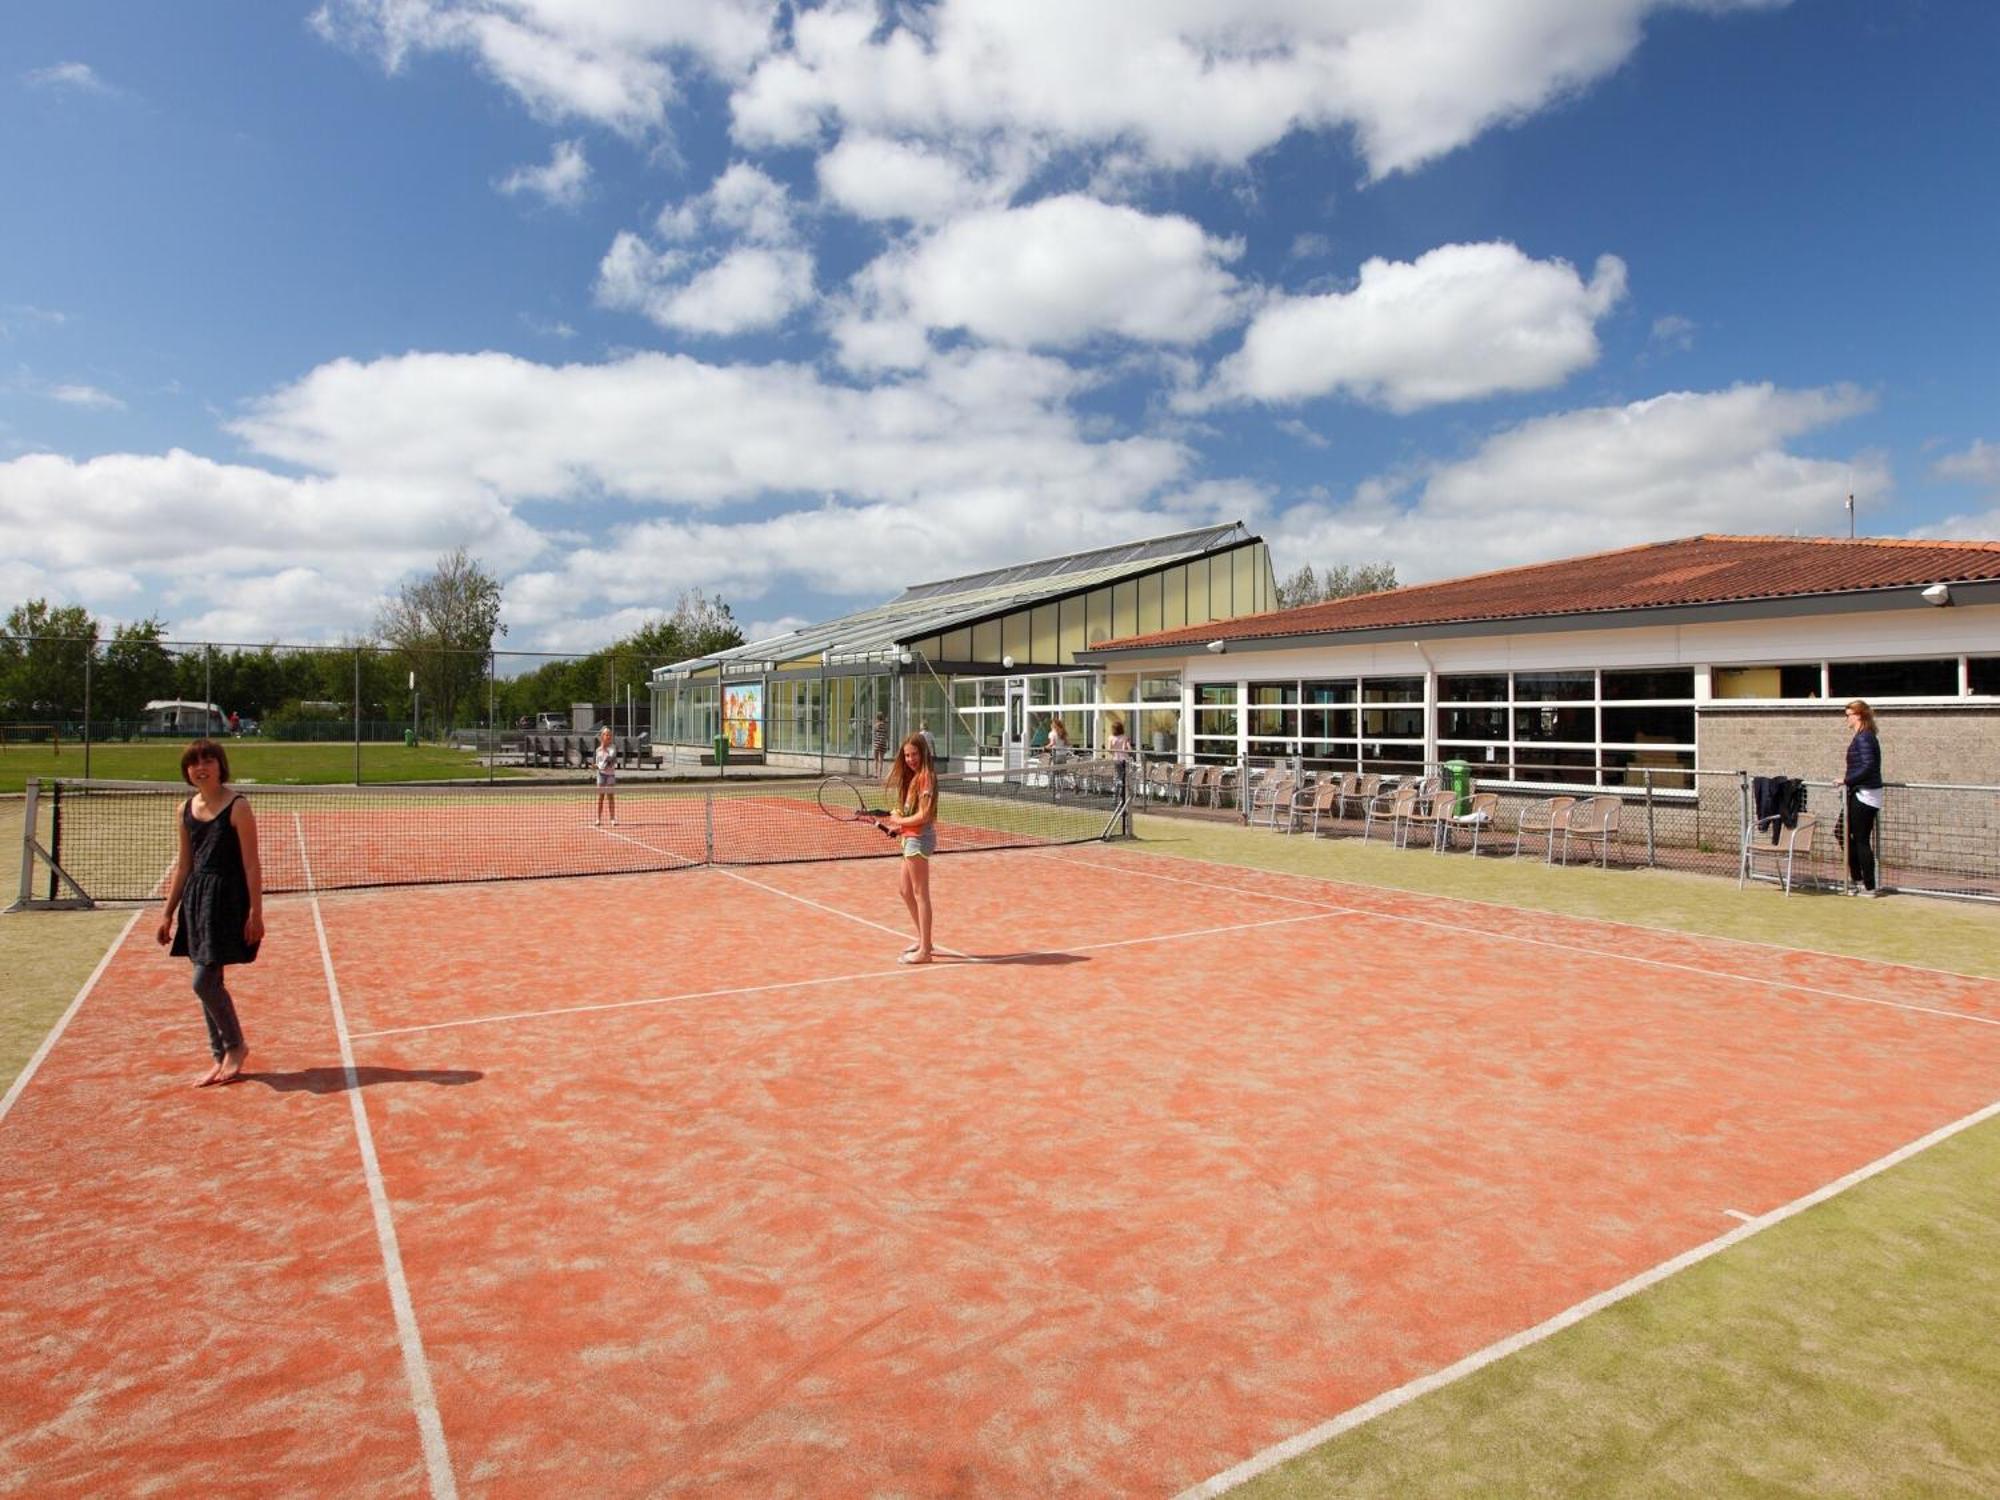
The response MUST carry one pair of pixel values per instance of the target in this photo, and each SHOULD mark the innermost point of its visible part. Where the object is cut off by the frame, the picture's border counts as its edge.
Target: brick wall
(1941, 839)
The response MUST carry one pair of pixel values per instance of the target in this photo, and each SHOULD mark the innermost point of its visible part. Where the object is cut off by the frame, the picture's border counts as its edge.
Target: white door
(1014, 736)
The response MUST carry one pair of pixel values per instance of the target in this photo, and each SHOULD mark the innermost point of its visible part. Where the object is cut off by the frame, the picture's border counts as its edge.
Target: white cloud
(1603, 477)
(1674, 332)
(1191, 81)
(1058, 273)
(713, 290)
(1459, 322)
(875, 178)
(746, 290)
(562, 182)
(77, 77)
(609, 61)
(1979, 464)
(212, 536)
(668, 429)
(86, 395)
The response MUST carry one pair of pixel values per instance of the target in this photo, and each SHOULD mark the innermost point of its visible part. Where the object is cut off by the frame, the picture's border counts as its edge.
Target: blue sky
(800, 304)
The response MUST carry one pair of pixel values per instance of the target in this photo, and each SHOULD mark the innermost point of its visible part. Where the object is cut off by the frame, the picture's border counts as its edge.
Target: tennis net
(86, 842)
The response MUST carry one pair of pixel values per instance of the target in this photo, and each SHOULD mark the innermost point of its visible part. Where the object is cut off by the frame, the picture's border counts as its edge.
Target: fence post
(89, 655)
(1243, 789)
(357, 716)
(30, 815)
(493, 724)
(1651, 860)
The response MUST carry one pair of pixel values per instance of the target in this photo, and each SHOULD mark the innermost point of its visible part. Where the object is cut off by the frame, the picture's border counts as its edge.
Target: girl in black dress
(218, 891)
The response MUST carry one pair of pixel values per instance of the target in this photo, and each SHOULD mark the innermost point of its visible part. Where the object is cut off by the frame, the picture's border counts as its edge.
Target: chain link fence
(119, 708)
(1931, 838)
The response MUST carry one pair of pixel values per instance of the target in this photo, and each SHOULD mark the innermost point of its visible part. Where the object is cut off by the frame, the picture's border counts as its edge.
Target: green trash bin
(1458, 776)
(410, 739)
(721, 751)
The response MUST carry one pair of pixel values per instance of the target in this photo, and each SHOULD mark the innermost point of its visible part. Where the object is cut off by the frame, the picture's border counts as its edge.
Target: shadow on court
(334, 1080)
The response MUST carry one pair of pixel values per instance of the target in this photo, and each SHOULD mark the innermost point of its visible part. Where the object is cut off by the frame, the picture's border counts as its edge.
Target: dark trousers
(224, 1033)
(1860, 841)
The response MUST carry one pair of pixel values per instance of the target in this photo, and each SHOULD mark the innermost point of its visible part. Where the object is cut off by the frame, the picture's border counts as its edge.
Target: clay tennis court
(679, 1183)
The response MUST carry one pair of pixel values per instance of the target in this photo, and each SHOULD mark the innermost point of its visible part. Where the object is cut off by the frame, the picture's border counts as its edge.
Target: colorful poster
(743, 715)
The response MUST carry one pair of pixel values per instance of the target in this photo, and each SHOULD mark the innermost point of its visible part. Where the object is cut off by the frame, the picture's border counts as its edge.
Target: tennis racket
(844, 802)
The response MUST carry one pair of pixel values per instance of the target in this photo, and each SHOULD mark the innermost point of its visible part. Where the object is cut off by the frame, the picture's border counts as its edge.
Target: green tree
(442, 627)
(1341, 581)
(42, 656)
(134, 667)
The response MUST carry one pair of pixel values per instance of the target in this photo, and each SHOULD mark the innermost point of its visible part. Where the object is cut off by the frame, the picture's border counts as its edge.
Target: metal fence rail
(1931, 839)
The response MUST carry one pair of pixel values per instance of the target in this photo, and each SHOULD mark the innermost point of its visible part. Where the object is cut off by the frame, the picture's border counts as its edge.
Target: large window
(1215, 719)
(1982, 674)
(1572, 726)
(1936, 677)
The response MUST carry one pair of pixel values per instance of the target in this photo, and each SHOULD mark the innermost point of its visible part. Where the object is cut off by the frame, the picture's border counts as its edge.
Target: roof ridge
(1966, 544)
(1412, 588)
(1083, 553)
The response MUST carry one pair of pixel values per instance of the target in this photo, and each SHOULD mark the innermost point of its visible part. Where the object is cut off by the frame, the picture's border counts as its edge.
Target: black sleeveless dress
(215, 902)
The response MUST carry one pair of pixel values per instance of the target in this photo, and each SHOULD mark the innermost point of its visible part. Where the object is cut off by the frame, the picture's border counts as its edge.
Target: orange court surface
(679, 1183)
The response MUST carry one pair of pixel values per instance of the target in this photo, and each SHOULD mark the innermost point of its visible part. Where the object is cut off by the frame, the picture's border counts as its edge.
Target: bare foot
(915, 956)
(209, 1077)
(231, 1067)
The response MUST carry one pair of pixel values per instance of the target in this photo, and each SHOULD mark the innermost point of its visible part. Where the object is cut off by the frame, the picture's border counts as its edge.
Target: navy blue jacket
(1864, 760)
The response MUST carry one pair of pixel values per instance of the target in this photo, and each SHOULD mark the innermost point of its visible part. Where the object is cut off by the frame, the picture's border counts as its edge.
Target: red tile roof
(1691, 570)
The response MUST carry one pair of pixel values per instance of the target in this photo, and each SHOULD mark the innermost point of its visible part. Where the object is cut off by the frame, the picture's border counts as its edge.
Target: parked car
(552, 723)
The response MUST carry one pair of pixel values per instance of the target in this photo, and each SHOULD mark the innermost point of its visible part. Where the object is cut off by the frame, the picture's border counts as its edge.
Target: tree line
(436, 634)
(1341, 581)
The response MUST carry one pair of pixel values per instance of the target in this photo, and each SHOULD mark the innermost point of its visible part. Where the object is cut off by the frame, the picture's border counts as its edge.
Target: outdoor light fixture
(1007, 662)
(1938, 594)
(1218, 647)
(905, 658)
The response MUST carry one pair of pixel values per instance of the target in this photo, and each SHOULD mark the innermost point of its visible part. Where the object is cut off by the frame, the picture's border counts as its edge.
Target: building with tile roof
(1642, 664)
(986, 660)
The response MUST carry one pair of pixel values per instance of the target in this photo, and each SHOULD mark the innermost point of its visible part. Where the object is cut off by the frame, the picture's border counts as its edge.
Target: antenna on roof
(1850, 518)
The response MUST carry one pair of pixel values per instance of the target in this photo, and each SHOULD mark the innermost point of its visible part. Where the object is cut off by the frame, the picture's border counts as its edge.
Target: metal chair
(1544, 820)
(1595, 819)
(1794, 843)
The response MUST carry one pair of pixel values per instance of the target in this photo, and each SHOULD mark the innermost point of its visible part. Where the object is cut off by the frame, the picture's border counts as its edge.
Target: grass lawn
(1847, 1351)
(251, 761)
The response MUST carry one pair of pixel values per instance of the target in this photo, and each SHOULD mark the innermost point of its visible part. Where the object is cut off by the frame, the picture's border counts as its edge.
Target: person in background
(235, 722)
(912, 782)
(924, 734)
(1121, 743)
(1862, 783)
(606, 761)
(217, 891)
(878, 743)
(1059, 746)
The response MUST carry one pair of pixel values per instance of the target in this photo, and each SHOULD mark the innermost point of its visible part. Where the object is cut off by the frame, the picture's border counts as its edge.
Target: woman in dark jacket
(1863, 785)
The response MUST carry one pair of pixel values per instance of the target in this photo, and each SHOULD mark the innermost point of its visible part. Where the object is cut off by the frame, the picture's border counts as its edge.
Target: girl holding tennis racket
(913, 781)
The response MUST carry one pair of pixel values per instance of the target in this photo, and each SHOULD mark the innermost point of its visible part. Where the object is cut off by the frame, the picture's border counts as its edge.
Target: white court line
(1402, 1395)
(1596, 953)
(62, 1023)
(430, 1427)
(837, 912)
(612, 833)
(901, 971)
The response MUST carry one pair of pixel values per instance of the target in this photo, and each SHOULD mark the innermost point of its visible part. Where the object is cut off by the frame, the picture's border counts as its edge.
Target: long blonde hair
(901, 776)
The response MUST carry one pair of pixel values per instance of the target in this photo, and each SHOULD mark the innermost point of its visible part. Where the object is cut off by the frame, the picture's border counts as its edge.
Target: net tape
(118, 840)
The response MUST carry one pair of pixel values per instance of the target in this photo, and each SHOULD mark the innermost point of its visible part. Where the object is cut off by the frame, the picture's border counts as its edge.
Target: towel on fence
(1777, 802)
